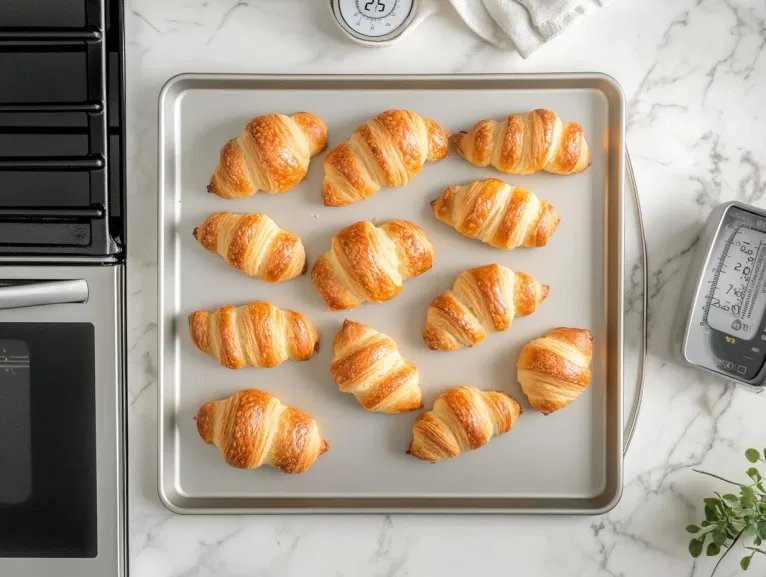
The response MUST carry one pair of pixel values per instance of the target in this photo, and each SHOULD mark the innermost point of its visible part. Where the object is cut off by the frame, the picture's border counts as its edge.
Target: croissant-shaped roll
(463, 419)
(252, 428)
(386, 151)
(368, 364)
(271, 154)
(369, 263)
(254, 244)
(254, 335)
(555, 369)
(482, 300)
(497, 213)
(526, 144)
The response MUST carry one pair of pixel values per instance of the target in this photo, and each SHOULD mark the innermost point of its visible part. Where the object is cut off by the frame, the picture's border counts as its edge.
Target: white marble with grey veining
(694, 73)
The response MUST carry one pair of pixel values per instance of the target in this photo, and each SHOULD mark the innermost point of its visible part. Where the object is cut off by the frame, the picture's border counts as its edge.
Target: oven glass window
(47, 440)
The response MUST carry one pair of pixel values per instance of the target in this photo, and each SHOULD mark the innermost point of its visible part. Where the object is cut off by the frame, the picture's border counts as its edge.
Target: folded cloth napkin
(522, 24)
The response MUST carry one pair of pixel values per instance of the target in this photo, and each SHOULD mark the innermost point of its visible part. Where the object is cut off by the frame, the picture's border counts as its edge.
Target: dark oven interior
(47, 440)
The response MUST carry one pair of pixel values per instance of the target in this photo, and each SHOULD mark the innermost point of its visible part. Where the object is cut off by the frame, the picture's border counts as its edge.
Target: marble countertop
(694, 74)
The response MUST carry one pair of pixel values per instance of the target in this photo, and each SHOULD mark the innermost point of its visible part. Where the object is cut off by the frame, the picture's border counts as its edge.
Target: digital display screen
(738, 300)
(376, 8)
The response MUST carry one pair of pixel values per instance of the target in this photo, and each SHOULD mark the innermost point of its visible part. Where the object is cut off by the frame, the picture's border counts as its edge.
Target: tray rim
(614, 264)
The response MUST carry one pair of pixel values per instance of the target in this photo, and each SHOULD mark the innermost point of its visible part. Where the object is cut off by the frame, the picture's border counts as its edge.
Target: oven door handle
(40, 293)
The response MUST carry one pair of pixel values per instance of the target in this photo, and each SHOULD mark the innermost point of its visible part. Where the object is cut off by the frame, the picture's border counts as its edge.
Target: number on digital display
(379, 5)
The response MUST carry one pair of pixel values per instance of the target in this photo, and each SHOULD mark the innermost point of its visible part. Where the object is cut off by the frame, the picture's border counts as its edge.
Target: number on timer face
(376, 8)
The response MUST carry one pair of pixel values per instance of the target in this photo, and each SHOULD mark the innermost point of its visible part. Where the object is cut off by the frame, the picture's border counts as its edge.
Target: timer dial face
(375, 19)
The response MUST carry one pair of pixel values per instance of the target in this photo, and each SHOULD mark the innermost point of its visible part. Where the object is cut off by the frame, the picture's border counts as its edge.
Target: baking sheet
(569, 462)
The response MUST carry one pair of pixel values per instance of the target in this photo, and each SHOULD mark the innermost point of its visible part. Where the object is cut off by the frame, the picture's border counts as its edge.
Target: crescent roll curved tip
(438, 141)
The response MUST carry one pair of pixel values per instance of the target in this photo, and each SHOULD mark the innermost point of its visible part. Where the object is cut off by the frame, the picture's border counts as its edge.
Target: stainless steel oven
(62, 454)
(62, 263)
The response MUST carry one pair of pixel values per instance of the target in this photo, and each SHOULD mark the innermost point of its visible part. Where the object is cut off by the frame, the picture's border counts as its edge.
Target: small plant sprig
(730, 518)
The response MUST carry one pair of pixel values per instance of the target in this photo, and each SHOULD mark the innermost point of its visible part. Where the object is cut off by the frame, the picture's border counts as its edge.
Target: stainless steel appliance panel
(104, 310)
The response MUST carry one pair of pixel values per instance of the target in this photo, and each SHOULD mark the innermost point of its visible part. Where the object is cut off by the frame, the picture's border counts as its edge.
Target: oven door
(61, 420)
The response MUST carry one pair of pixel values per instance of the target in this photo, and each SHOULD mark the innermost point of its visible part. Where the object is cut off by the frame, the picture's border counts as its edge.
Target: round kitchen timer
(723, 309)
(374, 22)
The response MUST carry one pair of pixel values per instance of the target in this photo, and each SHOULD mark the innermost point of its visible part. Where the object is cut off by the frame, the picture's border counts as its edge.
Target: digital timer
(722, 313)
(374, 22)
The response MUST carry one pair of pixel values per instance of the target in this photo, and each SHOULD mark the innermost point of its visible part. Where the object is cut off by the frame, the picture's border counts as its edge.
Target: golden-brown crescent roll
(254, 335)
(254, 244)
(272, 154)
(555, 369)
(369, 263)
(526, 144)
(483, 300)
(386, 151)
(368, 364)
(463, 419)
(494, 212)
(252, 428)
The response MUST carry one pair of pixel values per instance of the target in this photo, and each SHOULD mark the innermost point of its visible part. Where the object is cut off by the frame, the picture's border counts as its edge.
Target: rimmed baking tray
(569, 462)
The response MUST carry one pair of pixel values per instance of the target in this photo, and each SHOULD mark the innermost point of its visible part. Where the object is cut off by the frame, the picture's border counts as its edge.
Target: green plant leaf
(762, 530)
(745, 563)
(712, 501)
(695, 548)
(713, 550)
(730, 498)
(692, 529)
(705, 523)
(757, 541)
(754, 474)
(753, 455)
(710, 513)
(748, 496)
(719, 536)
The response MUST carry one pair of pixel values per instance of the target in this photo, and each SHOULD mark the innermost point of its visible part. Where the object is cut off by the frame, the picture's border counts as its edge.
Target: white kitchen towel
(522, 24)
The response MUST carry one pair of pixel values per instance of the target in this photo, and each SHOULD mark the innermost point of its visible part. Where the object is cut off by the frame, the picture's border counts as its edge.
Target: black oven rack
(61, 127)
